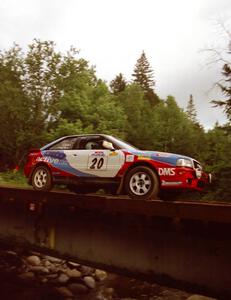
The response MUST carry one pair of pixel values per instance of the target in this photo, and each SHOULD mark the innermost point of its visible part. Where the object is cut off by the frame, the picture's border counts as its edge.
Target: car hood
(170, 158)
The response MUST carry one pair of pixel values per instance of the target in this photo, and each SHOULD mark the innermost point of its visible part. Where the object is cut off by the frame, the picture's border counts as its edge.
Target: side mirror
(108, 145)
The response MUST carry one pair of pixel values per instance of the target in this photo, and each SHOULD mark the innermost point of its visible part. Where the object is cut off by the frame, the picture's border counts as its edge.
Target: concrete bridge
(182, 244)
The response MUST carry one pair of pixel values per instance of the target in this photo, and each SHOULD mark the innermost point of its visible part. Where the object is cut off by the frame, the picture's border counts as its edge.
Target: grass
(17, 179)
(13, 178)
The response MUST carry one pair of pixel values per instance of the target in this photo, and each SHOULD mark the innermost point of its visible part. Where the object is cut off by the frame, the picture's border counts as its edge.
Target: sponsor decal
(44, 159)
(143, 157)
(113, 153)
(129, 158)
(171, 183)
(51, 160)
(54, 154)
(98, 153)
(163, 154)
(166, 172)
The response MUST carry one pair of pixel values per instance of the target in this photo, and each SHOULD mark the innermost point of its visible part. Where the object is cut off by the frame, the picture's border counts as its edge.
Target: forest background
(46, 94)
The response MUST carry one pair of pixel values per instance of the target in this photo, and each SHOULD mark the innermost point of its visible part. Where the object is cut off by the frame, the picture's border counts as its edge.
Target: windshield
(121, 144)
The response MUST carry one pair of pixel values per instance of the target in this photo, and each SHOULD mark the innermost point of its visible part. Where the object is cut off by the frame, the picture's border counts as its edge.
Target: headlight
(183, 162)
(198, 173)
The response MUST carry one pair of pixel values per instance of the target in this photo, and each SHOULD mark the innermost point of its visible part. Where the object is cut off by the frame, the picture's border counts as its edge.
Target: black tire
(142, 183)
(41, 179)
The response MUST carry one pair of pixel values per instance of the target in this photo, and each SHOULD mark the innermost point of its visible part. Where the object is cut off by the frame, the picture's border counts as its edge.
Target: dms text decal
(166, 171)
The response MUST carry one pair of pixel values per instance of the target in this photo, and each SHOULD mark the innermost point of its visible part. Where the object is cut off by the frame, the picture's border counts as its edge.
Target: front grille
(201, 184)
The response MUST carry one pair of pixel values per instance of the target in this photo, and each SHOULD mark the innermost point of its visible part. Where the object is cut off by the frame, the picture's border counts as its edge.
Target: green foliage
(138, 112)
(14, 112)
(118, 85)
(191, 110)
(93, 109)
(143, 76)
(173, 131)
(32, 86)
(225, 86)
(218, 153)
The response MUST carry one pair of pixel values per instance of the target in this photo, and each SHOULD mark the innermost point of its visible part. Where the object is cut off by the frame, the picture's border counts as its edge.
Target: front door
(97, 161)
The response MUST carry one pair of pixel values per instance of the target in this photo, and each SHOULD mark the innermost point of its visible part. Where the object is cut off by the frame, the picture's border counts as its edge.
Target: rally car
(86, 163)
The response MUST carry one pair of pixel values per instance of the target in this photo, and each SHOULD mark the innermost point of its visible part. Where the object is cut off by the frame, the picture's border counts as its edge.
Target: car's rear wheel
(142, 183)
(41, 179)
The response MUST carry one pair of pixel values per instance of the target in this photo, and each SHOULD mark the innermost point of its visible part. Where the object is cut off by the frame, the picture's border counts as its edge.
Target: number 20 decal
(97, 163)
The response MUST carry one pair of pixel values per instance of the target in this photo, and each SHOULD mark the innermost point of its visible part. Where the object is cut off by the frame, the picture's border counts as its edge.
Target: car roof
(80, 135)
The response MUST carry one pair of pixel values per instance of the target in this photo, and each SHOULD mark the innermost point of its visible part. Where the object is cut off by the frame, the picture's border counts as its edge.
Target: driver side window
(92, 143)
(65, 144)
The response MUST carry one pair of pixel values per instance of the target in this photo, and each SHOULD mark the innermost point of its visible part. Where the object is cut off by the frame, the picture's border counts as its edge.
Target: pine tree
(225, 87)
(118, 85)
(144, 76)
(191, 110)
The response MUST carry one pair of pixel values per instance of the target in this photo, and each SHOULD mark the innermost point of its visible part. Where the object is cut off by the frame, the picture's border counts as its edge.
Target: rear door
(62, 155)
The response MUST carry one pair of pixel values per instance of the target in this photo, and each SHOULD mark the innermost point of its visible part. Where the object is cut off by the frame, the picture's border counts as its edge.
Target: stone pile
(37, 276)
(68, 279)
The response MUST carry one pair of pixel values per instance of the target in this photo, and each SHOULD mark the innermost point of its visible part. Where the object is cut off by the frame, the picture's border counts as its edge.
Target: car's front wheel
(142, 183)
(41, 179)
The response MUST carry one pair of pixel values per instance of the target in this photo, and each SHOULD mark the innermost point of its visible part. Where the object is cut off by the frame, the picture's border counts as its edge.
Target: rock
(89, 281)
(105, 294)
(27, 276)
(78, 288)
(53, 269)
(73, 273)
(109, 291)
(47, 264)
(63, 278)
(64, 291)
(86, 271)
(44, 280)
(11, 253)
(100, 275)
(100, 296)
(73, 265)
(199, 297)
(129, 298)
(53, 259)
(52, 276)
(33, 260)
(39, 270)
(62, 267)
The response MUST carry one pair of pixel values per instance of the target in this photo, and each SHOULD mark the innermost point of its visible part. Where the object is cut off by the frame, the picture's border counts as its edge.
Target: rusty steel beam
(202, 211)
(182, 244)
